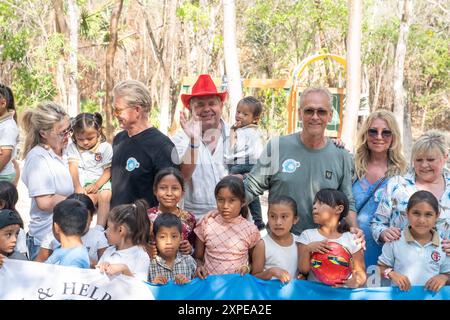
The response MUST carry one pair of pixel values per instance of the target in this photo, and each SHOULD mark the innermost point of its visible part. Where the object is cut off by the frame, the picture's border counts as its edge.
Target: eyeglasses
(65, 133)
(373, 133)
(116, 111)
(320, 112)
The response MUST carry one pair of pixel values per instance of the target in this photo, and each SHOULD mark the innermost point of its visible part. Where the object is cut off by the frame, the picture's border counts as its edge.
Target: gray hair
(133, 92)
(321, 90)
(43, 117)
(432, 140)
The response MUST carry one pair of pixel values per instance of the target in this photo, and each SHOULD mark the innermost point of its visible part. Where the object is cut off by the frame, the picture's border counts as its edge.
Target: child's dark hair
(423, 196)
(335, 198)
(134, 217)
(7, 94)
(166, 172)
(71, 216)
(236, 187)
(254, 103)
(88, 120)
(85, 200)
(8, 195)
(287, 201)
(168, 220)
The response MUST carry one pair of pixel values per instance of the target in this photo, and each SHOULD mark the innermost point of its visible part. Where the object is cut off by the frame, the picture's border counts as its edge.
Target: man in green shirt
(300, 164)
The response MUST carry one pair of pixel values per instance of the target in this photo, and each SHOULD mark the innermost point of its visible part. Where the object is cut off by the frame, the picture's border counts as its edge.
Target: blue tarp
(236, 287)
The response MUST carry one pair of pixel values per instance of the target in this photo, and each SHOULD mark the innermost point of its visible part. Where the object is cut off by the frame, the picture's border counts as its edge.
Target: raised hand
(192, 127)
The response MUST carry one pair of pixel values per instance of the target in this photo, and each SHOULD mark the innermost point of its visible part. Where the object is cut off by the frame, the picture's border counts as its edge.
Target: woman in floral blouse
(429, 154)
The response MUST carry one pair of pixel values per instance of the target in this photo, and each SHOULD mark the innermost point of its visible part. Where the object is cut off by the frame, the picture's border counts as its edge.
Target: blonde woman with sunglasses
(378, 157)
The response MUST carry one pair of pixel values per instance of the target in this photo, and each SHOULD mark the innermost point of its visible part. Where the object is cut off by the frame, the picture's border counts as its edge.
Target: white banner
(40, 281)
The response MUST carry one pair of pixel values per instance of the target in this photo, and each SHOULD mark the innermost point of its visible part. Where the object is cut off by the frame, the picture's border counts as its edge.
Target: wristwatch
(386, 272)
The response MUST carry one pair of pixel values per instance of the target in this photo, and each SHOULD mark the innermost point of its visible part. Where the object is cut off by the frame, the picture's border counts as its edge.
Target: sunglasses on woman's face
(373, 133)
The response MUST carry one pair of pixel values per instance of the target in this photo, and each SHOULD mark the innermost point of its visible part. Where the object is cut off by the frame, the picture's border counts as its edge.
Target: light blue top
(362, 189)
(74, 257)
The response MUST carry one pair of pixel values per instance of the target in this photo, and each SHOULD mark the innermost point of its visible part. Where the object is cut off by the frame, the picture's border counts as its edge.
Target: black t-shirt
(135, 162)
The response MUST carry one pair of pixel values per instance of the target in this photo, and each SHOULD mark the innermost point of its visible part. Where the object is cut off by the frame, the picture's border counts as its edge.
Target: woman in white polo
(46, 169)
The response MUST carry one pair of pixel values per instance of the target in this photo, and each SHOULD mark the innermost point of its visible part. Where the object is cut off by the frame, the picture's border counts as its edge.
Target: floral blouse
(187, 221)
(391, 211)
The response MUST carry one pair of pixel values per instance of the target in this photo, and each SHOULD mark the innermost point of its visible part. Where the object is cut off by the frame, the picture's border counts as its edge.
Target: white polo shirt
(199, 196)
(91, 163)
(9, 135)
(134, 257)
(418, 263)
(44, 173)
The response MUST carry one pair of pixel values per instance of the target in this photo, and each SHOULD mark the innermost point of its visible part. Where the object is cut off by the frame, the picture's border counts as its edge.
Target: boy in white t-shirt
(93, 239)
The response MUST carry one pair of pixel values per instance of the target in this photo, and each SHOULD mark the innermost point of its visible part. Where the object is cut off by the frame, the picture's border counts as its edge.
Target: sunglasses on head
(320, 112)
(373, 133)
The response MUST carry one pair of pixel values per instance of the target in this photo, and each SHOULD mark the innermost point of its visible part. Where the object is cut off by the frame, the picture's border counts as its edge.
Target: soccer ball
(334, 266)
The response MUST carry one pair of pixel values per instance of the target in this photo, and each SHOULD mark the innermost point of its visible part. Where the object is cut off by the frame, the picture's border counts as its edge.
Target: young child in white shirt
(9, 135)
(276, 255)
(90, 159)
(128, 234)
(93, 238)
(417, 257)
(330, 207)
(246, 146)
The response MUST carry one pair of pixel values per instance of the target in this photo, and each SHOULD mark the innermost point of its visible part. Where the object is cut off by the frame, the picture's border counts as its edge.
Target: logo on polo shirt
(132, 164)
(436, 256)
(328, 174)
(98, 157)
(290, 165)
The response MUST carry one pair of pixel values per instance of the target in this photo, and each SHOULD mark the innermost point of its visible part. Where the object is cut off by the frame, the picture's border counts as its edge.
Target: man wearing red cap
(200, 145)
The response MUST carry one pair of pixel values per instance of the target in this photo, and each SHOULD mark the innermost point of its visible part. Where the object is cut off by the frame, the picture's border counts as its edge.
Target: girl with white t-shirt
(275, 256)
(330, 207)
(9, 136)
(128, 234)
(90, 158)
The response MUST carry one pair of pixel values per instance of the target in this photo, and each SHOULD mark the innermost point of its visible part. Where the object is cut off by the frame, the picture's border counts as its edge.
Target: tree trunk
(110, 53)
(73, 105)
(61, 82)
(61, 25)
(399, 64)
(231, 56)
(381, 73)
(353, 82)
(169, 47)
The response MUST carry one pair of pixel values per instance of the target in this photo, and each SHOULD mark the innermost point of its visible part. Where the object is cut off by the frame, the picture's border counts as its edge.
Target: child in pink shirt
(225, 238)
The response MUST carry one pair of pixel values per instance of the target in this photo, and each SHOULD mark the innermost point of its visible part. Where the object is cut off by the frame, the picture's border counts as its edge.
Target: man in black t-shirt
(140, 150)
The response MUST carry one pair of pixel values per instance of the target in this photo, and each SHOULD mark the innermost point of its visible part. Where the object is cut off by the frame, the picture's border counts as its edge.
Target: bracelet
(247, 266)
(193, 146)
